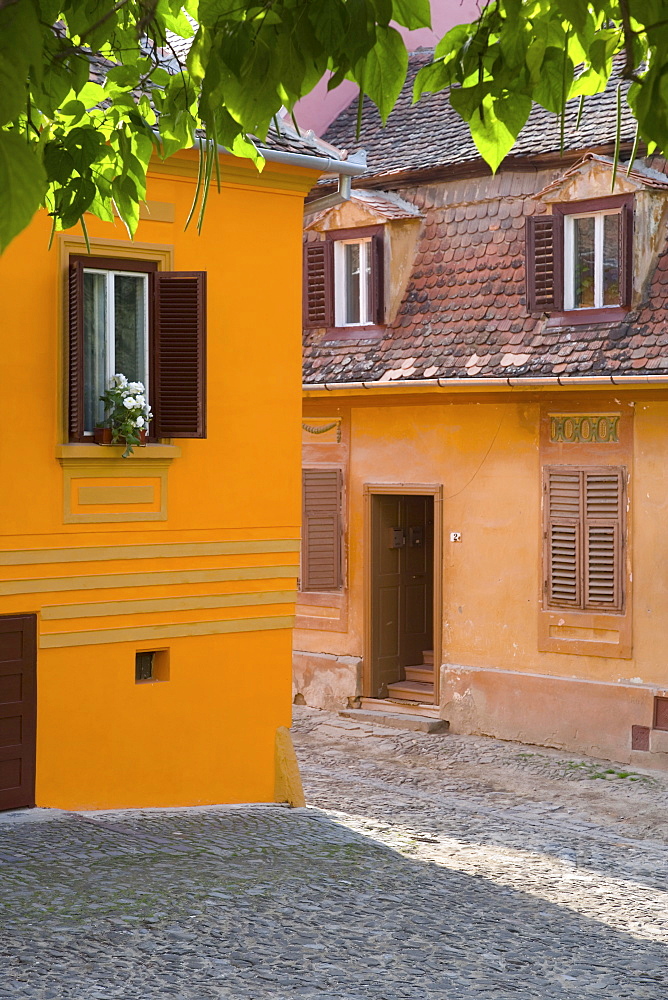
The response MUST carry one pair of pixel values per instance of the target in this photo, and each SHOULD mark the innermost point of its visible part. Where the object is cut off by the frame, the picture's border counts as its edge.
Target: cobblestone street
(425, 866)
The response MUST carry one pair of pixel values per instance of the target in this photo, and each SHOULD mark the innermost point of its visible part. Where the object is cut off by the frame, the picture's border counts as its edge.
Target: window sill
(582, 317)
(585, 633)
(354, 333)
(105, 452)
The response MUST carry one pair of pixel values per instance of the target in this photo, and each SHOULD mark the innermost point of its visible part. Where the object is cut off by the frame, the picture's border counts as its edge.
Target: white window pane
(584, 262)
(611, 260)
(94, 336)
(130, 326)
(352, 282)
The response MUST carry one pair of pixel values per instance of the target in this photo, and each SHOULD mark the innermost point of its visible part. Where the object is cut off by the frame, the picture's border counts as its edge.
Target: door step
(397, 707)
(412, 690)
(397, 720)
(428, 657)
(423, 672)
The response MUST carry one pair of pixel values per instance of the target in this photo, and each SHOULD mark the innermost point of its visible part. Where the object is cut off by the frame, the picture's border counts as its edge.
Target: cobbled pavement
(424, 866)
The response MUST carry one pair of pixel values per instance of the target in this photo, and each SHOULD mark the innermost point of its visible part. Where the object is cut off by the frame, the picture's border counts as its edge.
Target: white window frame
(569, 260)
(109, 333)
(364, 244)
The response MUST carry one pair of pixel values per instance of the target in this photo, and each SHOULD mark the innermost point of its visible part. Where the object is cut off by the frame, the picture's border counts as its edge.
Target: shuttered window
(581, 256)
(125, 316)
(321, 529)
(544, 241)
(318, 284)
(179, 353)
(343, 280)
(584, 537)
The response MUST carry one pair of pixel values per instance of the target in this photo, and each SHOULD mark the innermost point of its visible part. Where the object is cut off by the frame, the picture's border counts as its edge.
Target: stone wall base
(322, 680)
(588, 717)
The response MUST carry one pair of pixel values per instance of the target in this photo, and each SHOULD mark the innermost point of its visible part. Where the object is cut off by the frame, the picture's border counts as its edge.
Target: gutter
(352, 167)
(620, 381)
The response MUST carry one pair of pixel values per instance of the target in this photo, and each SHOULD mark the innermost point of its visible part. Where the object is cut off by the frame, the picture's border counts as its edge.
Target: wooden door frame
(434, 490)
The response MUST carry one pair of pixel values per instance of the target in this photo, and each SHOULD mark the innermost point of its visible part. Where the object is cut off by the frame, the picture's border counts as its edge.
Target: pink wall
(320, 108)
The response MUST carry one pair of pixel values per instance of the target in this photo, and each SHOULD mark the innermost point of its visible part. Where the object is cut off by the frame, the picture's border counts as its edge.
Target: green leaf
(383, 73)
(23, 185)
(494, 132)
(330, 21)
(556, 76)
(412, 13)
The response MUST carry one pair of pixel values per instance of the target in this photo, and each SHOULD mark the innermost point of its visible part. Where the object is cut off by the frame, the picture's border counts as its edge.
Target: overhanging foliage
(78, 141)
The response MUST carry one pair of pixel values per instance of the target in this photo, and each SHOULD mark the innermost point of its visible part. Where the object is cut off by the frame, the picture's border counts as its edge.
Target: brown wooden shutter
(377, 280)
(544, 263)
(75, 360)
(626, 256)
(318, 284)
(562, 558)
(321, 532)
(178, 396)
(603, 524)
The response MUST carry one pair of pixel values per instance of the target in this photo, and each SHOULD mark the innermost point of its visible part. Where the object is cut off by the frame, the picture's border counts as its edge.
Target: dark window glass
(584, 254)
(144, 666)
(352, 272)
(130, 326)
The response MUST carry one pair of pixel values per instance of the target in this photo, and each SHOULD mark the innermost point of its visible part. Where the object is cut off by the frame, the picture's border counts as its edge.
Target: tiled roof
(430, 134)
(464, 312)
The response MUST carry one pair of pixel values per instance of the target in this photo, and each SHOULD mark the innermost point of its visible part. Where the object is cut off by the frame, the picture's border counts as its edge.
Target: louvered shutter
(544, 263)
(563, 503)
(626, 256)
(178, 396)
(75, 361)
(377, 280)
(318, 280)
(603, 515)
(321, 529)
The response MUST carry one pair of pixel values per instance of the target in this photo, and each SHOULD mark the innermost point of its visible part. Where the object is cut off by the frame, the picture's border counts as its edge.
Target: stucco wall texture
(214, 581)
(485, 450)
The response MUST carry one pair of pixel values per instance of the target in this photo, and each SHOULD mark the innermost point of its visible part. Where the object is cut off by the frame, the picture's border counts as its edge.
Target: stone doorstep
(416, 723)
(402, 706)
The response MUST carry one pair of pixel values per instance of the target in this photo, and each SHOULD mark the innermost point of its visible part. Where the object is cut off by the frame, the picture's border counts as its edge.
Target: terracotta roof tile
(430, 134)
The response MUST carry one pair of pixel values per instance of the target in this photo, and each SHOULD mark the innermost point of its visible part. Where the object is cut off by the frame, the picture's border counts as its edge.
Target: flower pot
(102, 435)
(142, 439)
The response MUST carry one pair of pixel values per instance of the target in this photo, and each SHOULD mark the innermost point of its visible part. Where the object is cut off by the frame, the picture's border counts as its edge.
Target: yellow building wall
(485, 451)
(213, 582)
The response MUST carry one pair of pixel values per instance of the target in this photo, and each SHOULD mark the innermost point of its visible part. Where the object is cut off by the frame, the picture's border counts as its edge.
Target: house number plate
(576, 428)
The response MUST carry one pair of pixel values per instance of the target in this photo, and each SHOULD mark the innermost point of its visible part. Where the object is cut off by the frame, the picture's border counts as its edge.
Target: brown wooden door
(18, 710)
(402, 586)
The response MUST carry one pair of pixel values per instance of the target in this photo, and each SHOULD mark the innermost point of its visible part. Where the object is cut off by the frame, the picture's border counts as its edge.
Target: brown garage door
(18, 710)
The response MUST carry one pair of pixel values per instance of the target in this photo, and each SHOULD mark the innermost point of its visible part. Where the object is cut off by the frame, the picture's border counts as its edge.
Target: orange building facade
(485, 430)
(506, 663)
(187, 549)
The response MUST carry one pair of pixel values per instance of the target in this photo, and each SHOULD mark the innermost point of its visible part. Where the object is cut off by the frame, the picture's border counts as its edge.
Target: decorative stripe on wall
(27, 557)
(168, 577)
(161, 632)
(101, 609)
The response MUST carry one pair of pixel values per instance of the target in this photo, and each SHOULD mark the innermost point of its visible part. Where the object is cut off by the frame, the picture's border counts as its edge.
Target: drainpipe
(619, 381)
(331, 200)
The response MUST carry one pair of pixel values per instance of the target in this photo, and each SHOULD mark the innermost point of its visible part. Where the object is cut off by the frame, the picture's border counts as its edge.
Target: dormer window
(343, 282)
(592, 260)
(580, 260)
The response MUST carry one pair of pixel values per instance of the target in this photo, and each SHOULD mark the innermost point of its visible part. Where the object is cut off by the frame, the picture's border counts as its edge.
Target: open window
(580, 259)
(343, 281)
(126, 316)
